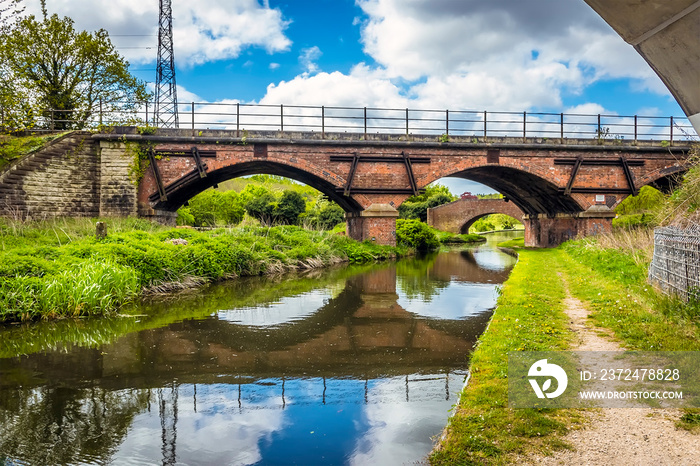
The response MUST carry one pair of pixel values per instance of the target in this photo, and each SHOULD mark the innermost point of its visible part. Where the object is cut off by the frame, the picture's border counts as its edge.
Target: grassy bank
(529, 317)
(58, 268)
(610, 280)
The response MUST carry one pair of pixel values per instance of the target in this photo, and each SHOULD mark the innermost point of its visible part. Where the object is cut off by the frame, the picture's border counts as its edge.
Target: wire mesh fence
(676, 262)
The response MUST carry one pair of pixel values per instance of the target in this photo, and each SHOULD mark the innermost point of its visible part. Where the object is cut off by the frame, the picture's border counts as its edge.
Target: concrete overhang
(666, 33)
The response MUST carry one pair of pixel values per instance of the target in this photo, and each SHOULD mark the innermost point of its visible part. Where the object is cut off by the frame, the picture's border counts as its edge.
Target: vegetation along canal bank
(608, 276)
(59, 268)
(353, 364)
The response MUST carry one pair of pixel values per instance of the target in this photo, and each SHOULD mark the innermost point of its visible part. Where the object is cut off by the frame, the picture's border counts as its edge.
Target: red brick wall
(549, 232)
(527, 175)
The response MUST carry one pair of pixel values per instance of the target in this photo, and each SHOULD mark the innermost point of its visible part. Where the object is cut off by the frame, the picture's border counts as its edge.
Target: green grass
(513, 243)
(611, 283)
(445, 237)
(58, 268)
(13, 147)
(690, 421)
(529, 317)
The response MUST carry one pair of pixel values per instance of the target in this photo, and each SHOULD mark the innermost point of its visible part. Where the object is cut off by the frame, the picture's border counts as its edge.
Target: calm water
(344, 366)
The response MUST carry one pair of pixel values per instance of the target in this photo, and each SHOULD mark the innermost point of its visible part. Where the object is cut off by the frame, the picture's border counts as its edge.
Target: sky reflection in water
(345, 369)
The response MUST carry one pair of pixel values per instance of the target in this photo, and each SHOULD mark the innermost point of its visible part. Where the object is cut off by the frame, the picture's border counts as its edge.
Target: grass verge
(609, 277)
(529, 317)
(57, 268)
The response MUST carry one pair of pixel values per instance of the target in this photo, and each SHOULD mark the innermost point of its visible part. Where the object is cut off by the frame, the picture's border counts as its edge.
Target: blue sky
(500, 55)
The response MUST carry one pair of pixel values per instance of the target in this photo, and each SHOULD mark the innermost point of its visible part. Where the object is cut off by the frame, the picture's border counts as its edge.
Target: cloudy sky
(497, 55)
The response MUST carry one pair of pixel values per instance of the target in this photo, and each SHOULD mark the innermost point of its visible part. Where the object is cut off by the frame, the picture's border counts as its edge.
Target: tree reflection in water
(362, 366)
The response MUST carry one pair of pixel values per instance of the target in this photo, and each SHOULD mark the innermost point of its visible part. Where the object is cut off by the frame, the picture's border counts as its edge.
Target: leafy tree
(211, 207)
(323, 214)
(483, 224)
(53, 66)
(251, 191)
(185, 217)
(416, 207)
(289, 207)
(230, 208)
(430, 191)
(330, 216)
(262, 207)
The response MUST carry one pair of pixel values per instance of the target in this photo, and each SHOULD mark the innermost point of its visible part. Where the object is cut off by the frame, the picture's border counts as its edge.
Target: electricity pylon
(166, 91)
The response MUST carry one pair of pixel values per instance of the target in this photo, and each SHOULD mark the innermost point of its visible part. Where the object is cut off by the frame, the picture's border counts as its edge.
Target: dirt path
(621, 436)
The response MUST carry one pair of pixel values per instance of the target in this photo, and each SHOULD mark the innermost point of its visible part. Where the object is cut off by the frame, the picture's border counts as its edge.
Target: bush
(415, 234)
(289, 207)
(632, 221)
(330, 216)
(648, 200)
(262, 208)
(483, 225)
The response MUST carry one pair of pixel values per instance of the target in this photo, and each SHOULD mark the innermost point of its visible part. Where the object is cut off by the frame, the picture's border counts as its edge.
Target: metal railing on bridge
(364, 121)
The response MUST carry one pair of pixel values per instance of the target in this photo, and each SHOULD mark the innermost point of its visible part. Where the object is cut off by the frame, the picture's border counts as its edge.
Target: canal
(353, 365)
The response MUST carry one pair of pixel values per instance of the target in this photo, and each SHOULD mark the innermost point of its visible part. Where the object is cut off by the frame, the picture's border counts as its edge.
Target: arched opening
(531, 193)
(493, 221)
(187, 191)
(454, 204)
(669, 181)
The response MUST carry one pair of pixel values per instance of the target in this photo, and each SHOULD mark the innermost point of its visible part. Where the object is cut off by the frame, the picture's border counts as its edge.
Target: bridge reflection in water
(361, 370)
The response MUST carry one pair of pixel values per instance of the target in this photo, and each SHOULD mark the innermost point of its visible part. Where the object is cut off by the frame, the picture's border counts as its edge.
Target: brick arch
(467, 225)
(458, 216)
(528, 189)
(664, 180)
(195, 185)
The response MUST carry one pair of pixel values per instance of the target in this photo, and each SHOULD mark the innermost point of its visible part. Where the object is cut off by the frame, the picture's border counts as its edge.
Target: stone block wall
(118, 193)
(61, 180)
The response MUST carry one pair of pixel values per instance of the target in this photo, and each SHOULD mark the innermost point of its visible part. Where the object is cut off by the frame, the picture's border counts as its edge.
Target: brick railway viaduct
(564, 188)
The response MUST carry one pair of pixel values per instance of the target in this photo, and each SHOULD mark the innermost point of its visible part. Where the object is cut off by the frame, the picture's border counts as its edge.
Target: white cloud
(308, 59)
(468, 54)
(362, 86)
(203, 31)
